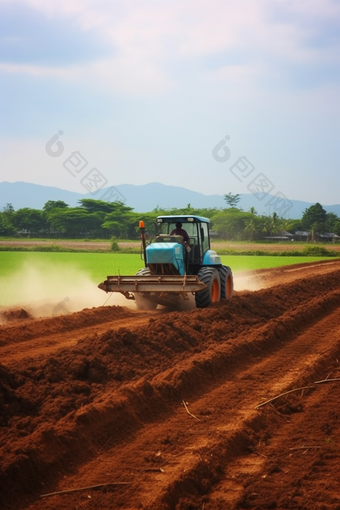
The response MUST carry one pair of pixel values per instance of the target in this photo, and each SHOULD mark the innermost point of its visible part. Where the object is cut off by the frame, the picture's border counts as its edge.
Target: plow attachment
(152, 283)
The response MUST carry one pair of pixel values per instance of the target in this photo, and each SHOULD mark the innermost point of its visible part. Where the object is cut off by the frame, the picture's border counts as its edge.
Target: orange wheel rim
(215, 291)
(228, 287)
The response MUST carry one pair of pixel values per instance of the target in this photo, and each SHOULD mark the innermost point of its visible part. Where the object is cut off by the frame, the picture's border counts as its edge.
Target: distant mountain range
(143, 198)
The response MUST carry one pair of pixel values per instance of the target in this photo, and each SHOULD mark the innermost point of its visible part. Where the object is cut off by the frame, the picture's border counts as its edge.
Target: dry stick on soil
(84, 488)
(279, 414)
(327, 380)
(285, 393)
(305, 447)
(156, 470)
(106, 442)
(187, 410)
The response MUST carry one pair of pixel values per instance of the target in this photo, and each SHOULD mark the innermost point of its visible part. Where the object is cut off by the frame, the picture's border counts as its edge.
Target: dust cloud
(54, 289)
(244, 282)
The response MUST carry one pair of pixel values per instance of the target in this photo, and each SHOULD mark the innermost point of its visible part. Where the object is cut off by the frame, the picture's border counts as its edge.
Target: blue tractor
(176, 265)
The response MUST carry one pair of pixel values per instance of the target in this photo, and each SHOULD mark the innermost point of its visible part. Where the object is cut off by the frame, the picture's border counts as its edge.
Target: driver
(179, 231)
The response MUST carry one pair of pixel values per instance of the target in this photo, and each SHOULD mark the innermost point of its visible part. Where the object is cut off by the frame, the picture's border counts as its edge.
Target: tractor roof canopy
(183, 218)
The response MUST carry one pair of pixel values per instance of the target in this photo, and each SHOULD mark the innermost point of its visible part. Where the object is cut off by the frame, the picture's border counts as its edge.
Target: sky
(217, 97)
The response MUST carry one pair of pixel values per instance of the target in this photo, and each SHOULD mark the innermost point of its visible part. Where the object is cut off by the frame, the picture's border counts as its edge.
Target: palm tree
(250, 229)
(274, 223)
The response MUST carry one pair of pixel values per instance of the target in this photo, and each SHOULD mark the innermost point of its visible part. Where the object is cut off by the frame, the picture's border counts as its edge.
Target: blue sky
(146, 90)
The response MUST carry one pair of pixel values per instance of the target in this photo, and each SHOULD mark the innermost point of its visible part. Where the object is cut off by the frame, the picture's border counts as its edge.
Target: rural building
(283, 235)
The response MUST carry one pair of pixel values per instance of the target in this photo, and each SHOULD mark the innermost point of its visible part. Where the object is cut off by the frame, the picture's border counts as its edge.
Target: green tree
(54, 204)
(314, 215)
(232, 199)
(32, 221)
(274, 223)
(336, 227)
(331, 223)
(250, 229)
(230, 223)
(92, 205)
(7, 227)
(314, 219)
(74, 222)
(8, 209)
(121, 221)
(290, 225)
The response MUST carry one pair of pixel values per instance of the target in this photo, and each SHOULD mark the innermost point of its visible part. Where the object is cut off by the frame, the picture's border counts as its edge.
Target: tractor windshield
(189, 227)
(198, 233)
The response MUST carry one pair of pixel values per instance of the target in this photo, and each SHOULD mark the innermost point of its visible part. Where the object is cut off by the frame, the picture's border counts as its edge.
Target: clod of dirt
(14, 315)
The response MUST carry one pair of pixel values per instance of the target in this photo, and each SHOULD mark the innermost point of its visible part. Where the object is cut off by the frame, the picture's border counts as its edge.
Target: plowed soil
(232, 407)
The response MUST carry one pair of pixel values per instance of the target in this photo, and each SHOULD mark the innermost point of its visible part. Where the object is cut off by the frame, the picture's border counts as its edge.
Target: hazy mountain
(25, 194)
(142, 198)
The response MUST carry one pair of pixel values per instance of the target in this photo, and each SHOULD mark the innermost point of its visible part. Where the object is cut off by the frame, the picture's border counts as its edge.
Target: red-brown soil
(113, 408)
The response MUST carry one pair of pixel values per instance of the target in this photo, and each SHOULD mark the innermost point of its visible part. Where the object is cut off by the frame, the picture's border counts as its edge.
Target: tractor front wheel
(212, 293)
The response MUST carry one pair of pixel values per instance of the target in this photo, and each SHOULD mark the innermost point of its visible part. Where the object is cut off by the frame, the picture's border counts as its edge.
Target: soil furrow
(218, 450)
(106, 403)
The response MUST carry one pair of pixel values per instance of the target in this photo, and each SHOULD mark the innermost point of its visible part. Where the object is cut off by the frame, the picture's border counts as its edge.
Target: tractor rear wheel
(142, 302)
(227, 282)
(212, 293)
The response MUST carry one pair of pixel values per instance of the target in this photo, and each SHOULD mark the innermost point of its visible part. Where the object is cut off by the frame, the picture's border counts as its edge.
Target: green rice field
(98, 265)
(40, 279)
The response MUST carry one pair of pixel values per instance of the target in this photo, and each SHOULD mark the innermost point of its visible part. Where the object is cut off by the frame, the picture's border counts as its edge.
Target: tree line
(99, 219)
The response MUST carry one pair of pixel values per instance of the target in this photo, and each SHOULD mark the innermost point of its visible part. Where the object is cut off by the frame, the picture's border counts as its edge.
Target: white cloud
(149, 40)
(35, 70)
(123, 75)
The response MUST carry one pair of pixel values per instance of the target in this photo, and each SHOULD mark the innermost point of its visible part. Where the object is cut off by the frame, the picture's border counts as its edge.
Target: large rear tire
(227, 282)
(142, 302)
(212, 293)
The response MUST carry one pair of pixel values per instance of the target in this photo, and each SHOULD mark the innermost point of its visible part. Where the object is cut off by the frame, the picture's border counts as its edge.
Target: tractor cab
(197, 251)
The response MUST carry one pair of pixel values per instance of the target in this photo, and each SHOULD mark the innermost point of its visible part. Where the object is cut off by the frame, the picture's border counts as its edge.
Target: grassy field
(38, 278)
(98, 265)
(95, 265)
